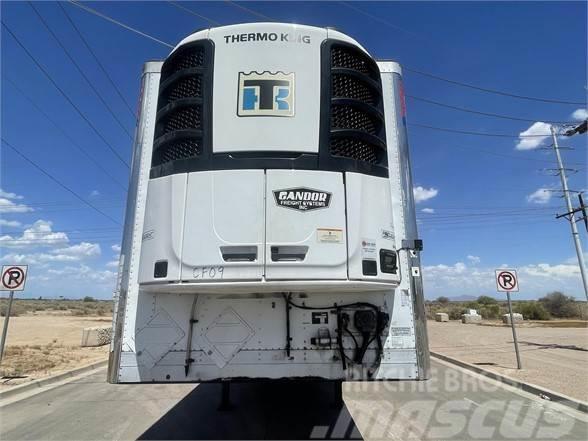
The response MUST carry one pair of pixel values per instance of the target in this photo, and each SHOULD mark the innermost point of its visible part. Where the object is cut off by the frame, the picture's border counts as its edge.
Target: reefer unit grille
(352, 131)
(183, 122)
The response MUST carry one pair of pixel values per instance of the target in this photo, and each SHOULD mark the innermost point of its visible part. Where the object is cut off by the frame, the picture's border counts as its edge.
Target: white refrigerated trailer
(270, 227)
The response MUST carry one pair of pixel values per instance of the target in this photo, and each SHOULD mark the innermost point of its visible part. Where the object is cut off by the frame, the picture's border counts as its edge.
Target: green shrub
(560, 305)
(443, 300)
(455, 312)
(89, 299)
(487, 300)
(490, 311)
(532, 310)
(470, 305)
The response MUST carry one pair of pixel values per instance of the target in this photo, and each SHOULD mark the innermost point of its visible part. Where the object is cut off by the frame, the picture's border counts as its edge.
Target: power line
(505, 155)
(454, 82)
(72, 231)
(251, 11)
(79, 69)
(61, 203)
(384, 22)
(86, 44)
(84, 117)
(194, 13)
(465, 132)
(64, 133)
(118, 23)
(496, 92)
(477, 112)
(50, 176)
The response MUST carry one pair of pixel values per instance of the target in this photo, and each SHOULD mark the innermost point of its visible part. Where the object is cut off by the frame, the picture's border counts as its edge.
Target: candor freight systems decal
(303, 199)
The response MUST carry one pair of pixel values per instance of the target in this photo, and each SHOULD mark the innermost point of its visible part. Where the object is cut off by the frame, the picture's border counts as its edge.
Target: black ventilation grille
(349, 57)
(186, 57)
(184, 118)
(183, 124)
(345, 86)
(353, 125)
(348, 117)
(181, 149)
(355, 149)
(188, 87)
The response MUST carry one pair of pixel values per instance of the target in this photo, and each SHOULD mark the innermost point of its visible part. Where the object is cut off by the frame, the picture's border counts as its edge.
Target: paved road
(454, 404)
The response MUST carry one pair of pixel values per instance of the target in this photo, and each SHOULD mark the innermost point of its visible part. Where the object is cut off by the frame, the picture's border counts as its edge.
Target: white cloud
(422, 194)
(9, 195)
(580, 114)
(83, 249)
(545, 270)
(474, 259)
(428, 210)
(39, 234)
(535, 280)
(94, 193)
(84, 273)
(7, 223)
(534, 140)
(112, 264)
(115, 248)
(74, 253)
(540, 196)
(9, 206)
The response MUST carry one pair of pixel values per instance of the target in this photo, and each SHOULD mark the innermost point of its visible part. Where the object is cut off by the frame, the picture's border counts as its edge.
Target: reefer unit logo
(301, 198)
(266, 94)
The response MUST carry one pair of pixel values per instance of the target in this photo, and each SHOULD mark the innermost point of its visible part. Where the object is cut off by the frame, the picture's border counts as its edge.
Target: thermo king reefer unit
(270, 226)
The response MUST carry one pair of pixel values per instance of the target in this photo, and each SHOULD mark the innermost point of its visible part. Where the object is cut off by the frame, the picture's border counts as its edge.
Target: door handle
(239, 253)
(288, 253)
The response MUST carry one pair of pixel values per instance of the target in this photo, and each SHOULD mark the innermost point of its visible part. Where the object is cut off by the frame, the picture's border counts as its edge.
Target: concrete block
(441, 317)
(96, 336)
(471, 318)
(515, 316)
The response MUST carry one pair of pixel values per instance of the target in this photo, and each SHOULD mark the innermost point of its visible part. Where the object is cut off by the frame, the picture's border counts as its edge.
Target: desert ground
(43, 340)
(552, 357)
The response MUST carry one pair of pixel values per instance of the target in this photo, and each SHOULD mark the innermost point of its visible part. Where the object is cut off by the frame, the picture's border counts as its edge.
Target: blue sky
(482, 205)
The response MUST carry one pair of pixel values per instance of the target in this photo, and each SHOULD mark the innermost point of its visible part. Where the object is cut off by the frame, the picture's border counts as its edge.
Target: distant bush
(89, 299)
(490, 311)
(443, 300)
(455, 312)
(471, 305)
(532, 310)
(15, 311)
(487, 300)
(559, 305)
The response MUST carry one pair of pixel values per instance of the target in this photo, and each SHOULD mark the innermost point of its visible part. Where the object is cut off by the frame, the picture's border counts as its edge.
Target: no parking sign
(507, 280)
(13, 277)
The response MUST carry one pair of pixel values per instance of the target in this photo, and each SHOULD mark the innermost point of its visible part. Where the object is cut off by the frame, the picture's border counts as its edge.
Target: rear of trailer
(270, 227)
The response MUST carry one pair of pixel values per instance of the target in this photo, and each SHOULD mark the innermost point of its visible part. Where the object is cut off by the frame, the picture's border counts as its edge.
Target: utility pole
(572, 216)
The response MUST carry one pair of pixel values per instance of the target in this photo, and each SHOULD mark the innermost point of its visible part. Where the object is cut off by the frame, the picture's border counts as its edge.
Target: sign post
(507, 281)
(12, 279)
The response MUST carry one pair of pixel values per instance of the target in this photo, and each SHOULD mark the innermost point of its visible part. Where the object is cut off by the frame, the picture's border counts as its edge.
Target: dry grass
(60, 307)
(47, 341)
(26, 360)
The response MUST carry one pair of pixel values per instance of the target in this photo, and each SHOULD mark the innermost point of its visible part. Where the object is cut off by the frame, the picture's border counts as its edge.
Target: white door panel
(224, 226)
(162, 229)
(305, 227)
(371, 229)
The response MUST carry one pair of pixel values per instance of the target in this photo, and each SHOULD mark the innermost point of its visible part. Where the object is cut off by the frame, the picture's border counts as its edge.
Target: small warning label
(332, 235)
(400, 331)
(320, 318)
(368, 249)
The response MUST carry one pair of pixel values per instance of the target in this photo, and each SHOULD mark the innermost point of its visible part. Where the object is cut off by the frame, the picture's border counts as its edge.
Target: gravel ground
(555, 358)
(45, 344)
